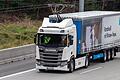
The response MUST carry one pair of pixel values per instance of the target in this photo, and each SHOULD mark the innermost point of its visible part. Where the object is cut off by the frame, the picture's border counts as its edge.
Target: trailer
(72, 40)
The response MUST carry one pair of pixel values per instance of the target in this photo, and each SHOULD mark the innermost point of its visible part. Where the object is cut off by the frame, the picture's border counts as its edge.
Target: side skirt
(80, 62)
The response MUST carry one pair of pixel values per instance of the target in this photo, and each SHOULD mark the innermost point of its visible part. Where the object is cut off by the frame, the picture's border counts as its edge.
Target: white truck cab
(55, 45)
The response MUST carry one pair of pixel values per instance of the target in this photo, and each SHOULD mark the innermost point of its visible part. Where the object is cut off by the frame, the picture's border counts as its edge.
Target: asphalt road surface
(15, 67)
(96, 71)
(17, 51)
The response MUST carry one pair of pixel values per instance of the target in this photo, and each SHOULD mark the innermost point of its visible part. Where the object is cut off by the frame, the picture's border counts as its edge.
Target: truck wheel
(108, 55)
(111, 54)
(115, 51)
(104, 59)
(71, 66)
(86, 62)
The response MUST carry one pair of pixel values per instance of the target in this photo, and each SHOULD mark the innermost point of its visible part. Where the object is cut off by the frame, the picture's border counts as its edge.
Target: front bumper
(62, 65)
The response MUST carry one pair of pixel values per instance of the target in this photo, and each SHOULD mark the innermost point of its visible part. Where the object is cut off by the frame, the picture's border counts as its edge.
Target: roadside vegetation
(20, 19)
(18, 33)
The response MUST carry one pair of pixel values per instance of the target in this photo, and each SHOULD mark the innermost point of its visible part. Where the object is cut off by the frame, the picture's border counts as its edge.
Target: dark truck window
(52, 40)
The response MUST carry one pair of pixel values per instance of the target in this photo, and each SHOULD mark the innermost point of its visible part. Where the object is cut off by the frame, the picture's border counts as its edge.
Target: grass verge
(14, 34)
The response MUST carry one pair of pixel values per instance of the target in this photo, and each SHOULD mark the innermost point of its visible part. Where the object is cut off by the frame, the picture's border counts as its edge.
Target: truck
(72, 40)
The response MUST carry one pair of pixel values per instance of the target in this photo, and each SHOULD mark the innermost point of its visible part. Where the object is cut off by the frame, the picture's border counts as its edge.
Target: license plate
(50, 68)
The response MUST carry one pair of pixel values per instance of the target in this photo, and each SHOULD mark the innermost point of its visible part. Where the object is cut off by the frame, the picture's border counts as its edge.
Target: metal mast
(81, 5)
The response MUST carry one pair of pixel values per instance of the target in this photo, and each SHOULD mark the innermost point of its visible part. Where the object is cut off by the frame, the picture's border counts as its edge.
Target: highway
(96, 71)
(17, 51)
(17, 59)
(15, 67)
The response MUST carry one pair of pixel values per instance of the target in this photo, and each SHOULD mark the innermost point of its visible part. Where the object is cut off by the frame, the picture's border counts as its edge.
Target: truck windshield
(52, 40)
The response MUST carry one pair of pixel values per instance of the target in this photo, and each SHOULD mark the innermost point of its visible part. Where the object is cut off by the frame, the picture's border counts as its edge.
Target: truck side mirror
(70, 40)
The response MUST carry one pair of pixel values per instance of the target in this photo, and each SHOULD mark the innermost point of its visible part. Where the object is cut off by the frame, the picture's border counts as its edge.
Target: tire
(108, 55)
(104, 59)
(71, 66)
(115, 51)
(86, 62)
(111, 54)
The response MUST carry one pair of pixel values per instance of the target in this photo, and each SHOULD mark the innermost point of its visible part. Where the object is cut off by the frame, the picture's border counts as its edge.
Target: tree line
(89, 4)
(37, 9)
(19, 3)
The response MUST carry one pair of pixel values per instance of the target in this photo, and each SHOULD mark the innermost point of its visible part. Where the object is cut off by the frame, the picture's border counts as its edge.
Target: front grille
(50, 58)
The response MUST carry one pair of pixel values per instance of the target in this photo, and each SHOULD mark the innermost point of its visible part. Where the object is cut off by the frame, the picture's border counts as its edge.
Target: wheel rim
(87, 62)
(112, 53)
(71, 65)
(109, 55)
(105, 57)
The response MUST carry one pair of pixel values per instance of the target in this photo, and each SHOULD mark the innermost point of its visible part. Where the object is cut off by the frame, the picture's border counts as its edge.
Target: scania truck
(72, 40)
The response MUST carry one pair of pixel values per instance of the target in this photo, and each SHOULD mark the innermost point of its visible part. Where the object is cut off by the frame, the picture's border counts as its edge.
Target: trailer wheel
(105, 56)
(115, 51)
(104, 59)
(111, 54)
(86, 62)
(108, 55)
(71, 66)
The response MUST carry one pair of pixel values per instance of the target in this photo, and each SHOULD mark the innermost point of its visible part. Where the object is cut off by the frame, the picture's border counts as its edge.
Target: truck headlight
(63, 63)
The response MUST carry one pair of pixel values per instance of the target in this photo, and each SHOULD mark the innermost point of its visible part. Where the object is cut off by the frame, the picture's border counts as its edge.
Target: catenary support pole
(81, 5)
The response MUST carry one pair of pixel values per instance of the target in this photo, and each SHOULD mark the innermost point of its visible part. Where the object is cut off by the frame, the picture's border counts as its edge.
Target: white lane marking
(34, 69)
(16, 74)
(16, 47)
(91, 70)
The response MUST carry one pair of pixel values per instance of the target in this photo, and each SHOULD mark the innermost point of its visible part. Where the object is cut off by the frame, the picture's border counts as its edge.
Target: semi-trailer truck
(72, 40)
